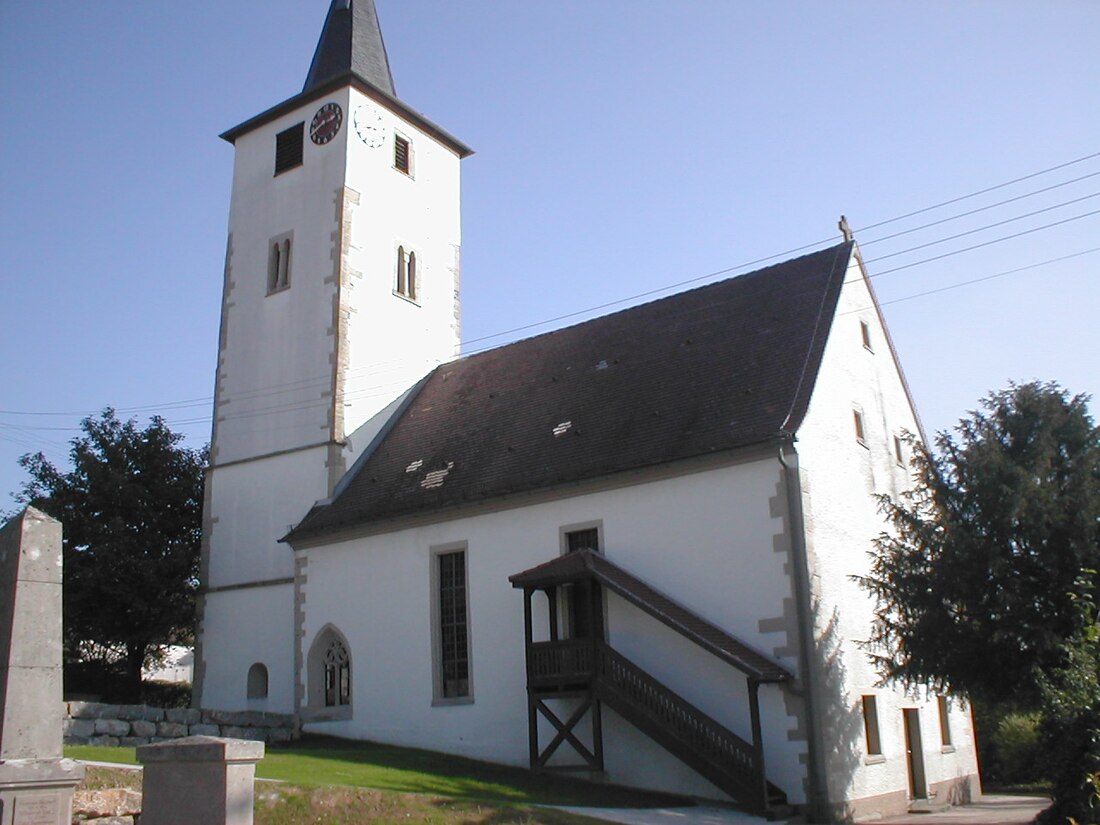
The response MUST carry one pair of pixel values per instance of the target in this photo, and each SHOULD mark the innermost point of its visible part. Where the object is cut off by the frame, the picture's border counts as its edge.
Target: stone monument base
(38, 791)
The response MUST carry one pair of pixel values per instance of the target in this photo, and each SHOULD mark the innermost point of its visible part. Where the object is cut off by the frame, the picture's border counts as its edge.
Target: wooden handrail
(696, 738)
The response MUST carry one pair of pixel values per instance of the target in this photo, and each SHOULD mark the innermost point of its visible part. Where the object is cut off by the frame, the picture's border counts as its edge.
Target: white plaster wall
(839, 477)
(241, 627)
(275, 377)
(705, 539)
(393, 341)
(252, 505)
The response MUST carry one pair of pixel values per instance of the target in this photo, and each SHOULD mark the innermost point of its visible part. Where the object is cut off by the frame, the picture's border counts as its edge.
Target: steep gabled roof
(714, 369)
(589, 564)
(351, 41)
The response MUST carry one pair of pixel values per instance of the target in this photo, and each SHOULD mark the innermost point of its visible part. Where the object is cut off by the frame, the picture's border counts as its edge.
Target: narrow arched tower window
(412, 276)
(284, 265)
(273, 266)
(402, 271)
(278, 262)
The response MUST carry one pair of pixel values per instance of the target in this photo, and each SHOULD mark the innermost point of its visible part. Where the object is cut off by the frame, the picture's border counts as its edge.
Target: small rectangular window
(899, 451)
(865, 334)
(870, 726)
(288, 148)
(454, 650)
(945, 721)
(401, 154)
(857, 419)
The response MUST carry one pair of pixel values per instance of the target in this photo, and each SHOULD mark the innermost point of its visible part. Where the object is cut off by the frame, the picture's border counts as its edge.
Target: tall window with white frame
(945, 721)
(870, 726)
(454, 640)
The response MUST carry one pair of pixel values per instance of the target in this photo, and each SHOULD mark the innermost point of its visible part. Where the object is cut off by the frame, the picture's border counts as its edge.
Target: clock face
(326, 123)
(369, 127)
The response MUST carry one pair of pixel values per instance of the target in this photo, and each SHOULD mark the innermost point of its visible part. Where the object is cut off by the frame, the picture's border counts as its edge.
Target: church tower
(340, 294)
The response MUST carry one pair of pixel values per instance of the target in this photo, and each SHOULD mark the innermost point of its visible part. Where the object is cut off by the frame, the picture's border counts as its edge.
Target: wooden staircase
(592, 670)
(587, 671)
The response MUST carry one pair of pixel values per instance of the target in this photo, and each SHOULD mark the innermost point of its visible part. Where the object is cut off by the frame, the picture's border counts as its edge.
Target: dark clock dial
(326, 123)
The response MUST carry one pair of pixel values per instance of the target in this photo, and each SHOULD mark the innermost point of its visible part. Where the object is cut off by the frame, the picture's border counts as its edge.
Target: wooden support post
(552, 600)
(597, 731)
(758, 745)
(532, 713)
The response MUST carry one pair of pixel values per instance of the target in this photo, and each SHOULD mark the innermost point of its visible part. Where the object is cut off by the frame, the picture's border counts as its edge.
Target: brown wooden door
(914, 751)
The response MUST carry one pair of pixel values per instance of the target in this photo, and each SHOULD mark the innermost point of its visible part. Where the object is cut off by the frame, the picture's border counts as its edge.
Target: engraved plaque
(36, 809)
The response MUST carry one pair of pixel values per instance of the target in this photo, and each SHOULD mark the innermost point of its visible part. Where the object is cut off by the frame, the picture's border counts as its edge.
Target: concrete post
(199, 780)
(36, 784)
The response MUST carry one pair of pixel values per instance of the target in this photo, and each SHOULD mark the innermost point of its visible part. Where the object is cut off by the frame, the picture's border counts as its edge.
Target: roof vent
(562, 428)
(435, 477)
(412, 468)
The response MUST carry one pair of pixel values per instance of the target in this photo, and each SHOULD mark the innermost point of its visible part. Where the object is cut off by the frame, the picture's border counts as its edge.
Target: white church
(623, 548)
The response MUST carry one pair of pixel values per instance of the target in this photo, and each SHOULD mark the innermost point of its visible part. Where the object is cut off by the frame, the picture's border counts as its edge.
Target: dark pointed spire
(351, 42)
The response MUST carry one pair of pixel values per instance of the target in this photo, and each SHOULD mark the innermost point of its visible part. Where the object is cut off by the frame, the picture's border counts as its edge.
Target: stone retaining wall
(91, 723)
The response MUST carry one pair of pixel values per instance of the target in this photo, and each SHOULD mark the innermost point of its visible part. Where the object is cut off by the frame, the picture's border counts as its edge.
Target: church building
(624, 548)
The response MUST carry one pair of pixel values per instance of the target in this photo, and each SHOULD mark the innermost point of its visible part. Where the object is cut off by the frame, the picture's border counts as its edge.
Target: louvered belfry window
(454, 654)
(401, 154)
(288, 148)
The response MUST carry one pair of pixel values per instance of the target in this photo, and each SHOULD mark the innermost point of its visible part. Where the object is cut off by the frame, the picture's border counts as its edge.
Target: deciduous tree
(131, 511)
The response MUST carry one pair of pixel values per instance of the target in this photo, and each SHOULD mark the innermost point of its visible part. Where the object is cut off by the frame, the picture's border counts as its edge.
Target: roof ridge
(674, 296)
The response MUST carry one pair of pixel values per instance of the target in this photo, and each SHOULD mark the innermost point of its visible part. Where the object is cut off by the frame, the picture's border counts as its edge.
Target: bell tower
(340, 293)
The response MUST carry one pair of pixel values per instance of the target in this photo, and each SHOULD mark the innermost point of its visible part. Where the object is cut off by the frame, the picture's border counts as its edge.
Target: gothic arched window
(329, 671)
(337, 665)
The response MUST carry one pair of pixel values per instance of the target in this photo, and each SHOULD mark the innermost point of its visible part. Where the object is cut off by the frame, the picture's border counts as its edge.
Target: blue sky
(621, 147)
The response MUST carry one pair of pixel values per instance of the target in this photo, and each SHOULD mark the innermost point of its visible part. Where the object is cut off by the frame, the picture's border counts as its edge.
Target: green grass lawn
(316, 761)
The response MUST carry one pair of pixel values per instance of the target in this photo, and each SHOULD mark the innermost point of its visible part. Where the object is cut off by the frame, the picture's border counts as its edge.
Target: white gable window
(451, 626)
(402, 154)
(945, 723)
(860, 430)
(865, 335)
(870, 726)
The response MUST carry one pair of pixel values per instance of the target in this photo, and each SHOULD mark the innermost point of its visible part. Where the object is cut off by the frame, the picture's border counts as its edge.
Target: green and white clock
(369, 126)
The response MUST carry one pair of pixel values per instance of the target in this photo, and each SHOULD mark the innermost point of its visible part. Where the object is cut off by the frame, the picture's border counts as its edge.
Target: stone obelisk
(36, 783)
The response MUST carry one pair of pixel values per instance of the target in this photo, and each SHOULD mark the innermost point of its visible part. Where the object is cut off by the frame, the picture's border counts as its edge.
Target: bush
(1017, 743)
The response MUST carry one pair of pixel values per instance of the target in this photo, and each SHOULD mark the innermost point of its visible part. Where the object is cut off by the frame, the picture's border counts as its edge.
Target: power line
(320, 380)
(976, 211)
(987, 243)
(982, 228)
(975, 280)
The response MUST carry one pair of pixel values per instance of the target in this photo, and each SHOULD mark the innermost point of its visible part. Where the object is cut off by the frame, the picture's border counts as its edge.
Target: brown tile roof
(720, 367)
(588, 564)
